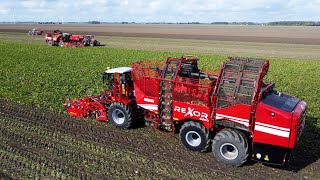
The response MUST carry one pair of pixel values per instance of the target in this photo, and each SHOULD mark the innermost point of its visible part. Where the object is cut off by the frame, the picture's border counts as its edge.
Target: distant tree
(94, 22)
(221, 23)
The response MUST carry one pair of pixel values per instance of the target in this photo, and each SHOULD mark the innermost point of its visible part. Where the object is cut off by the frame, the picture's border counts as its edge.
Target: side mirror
(103, 77)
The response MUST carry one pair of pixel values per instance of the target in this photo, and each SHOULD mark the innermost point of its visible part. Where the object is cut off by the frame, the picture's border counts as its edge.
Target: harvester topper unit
(233, 112)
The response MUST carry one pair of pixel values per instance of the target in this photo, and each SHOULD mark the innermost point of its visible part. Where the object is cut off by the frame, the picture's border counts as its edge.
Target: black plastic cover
(281, 101)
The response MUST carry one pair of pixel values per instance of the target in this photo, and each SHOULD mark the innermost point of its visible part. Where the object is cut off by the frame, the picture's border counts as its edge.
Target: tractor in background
(89, 40)
(35, 32)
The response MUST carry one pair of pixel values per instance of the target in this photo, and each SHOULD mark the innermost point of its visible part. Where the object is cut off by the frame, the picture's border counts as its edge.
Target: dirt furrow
(163, 162)
(77, 151)
(160, 150)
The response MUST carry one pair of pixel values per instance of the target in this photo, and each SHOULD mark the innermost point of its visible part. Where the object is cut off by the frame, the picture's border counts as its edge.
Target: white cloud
(4, 10)
(161, 10)
(30, 3)
(124, 3)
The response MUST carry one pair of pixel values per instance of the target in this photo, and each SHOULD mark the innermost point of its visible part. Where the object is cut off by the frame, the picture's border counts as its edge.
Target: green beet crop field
(45, 77)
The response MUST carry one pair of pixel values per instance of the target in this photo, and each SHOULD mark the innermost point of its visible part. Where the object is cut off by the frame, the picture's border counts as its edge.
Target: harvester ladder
(117, 90)
(238, 81)
(165, 107)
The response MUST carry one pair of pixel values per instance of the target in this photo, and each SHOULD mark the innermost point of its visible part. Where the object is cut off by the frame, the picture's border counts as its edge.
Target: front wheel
(50, 43)
(120, 115)
(230, 147)
(194, 136)
(61, 43)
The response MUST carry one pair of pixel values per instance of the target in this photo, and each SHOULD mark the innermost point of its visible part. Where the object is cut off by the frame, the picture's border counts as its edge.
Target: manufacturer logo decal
(191, 112)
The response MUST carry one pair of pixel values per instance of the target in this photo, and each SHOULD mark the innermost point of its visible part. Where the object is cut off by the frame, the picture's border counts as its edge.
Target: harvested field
(37, 143)
(265, 34)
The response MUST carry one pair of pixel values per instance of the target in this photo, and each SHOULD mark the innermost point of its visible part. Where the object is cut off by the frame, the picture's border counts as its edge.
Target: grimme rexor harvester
(234, 111)
(63, 39)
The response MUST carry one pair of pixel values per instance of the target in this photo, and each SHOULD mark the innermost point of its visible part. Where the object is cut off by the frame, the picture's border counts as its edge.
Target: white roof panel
(119, 70)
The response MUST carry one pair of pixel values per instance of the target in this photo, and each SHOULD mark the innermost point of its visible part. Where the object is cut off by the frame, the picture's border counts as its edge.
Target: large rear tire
(194, 136)
(120, 115)
(230, 147)
(50, 43)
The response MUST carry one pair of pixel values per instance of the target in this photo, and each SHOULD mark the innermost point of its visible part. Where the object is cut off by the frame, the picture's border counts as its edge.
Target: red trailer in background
(233, 112)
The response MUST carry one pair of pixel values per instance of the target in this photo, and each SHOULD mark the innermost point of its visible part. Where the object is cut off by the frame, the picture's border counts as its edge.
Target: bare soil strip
(270, 34)
(192, 46)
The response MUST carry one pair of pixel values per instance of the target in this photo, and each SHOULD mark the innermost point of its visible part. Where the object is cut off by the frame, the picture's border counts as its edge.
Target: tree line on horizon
(275, 23)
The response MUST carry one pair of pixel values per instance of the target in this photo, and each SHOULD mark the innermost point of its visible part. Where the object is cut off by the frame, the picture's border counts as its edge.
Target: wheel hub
(229, 151)
(118, 116)
(193, 138)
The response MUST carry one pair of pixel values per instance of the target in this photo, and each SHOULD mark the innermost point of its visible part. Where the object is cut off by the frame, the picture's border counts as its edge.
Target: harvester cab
(66, 37)
(89, 37)
(121, 76)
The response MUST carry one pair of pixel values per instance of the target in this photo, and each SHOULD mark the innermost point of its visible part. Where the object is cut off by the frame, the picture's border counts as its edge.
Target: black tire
(61, 43)
(84, 42)
(50, 43)
(91, 43)
(120, 115)
(194, 136)
(230, 147)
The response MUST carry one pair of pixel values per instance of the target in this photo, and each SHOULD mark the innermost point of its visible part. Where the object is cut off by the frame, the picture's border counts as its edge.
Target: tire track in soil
(27, 128)
(60, 149)
(27, 140)
(166, 151)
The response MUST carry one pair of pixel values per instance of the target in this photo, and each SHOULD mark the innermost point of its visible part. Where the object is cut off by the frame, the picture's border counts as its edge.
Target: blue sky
(160, 10)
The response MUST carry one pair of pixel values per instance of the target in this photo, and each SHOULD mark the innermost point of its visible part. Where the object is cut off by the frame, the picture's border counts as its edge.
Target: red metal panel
(146, 86)
(76, 37)
(182, 111)
(298, 122)
(239, 113)
(272, 126)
